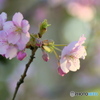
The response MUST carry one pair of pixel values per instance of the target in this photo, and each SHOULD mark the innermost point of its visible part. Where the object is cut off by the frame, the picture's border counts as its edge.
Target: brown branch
(21, 80)
(43, 29)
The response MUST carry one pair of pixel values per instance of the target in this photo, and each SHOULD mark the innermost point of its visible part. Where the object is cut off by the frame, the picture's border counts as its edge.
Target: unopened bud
(45, 57)
(21, 55)
(38, 43)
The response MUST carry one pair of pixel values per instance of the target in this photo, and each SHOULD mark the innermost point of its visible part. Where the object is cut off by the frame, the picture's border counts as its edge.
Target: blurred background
(69, 19)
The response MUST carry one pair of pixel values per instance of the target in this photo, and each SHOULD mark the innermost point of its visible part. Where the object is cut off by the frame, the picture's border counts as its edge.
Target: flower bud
(21, 55)
(38, 42)
(3, 55)
(45, 56)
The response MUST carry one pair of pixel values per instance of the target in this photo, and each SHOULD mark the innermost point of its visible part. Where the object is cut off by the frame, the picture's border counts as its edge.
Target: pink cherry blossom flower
(17, 31)
(10, 50)
(21, 55)
(70, 56)
(14, 36)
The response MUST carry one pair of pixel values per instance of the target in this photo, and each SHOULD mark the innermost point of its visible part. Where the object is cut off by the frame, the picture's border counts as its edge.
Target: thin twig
(21, 80)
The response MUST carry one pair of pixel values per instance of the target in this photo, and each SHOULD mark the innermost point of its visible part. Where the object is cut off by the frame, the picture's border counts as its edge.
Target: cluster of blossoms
(14, 36)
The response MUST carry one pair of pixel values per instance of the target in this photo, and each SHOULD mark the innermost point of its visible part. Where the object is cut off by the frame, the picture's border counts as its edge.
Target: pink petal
(3, 35)
(17, 19)
(61, 72)
(74, 64)
(13, 38)
(11, 52)
(79, 52)
(3, 47)
(45, 57)
(77, 63)
(64, 51)
(82, 40)
(9, 27)
(67, 49)
(3, 16)
(64, 65)
(21, 55)
(23, 41)
(25, 26)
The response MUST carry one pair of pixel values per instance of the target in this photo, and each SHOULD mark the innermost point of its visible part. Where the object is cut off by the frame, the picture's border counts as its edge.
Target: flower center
(19, 30)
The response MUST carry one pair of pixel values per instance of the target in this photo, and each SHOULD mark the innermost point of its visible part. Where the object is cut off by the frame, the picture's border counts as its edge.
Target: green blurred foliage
(42, 81)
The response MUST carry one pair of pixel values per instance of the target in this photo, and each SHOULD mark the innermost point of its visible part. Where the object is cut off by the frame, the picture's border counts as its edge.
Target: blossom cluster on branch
(15, 38)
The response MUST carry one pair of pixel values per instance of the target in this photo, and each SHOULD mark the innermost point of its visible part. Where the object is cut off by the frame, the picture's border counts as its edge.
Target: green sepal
(32, 41)
(47, 49)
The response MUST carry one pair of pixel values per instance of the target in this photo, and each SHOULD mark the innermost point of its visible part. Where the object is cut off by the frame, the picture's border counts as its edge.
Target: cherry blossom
(17, 31)
(70, 56)
(14, 36)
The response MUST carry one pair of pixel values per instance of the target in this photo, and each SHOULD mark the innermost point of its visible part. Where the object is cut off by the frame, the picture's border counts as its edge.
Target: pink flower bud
(21, 55)
(61, 72)
(3, 55)
(45, 56)
(38, 42)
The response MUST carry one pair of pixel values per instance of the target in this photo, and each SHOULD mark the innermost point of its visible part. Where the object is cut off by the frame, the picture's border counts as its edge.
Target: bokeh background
(69, 19)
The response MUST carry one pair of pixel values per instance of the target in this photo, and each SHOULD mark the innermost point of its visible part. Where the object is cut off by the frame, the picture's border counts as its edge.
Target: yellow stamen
(19, 30)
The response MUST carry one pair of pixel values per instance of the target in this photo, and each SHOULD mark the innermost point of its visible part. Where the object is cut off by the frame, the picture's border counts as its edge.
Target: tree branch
(21, 80)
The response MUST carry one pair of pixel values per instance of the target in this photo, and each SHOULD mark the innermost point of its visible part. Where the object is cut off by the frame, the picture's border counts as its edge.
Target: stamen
(19, 30)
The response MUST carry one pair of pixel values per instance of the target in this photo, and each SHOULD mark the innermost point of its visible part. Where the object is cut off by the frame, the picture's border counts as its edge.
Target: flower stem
(21, 80)
(57, 49)
(60, 45)
(56, 54)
